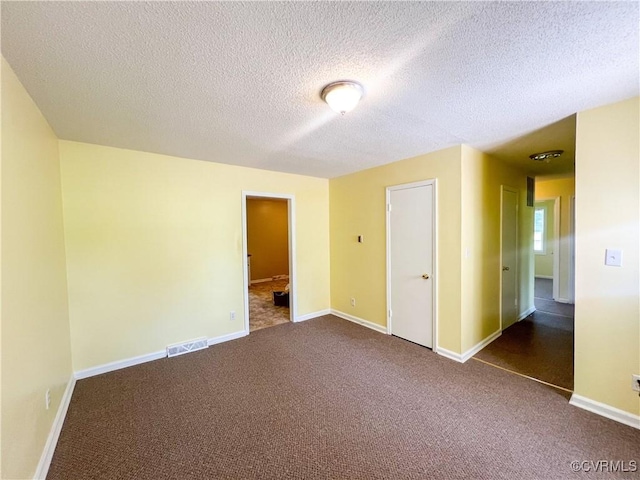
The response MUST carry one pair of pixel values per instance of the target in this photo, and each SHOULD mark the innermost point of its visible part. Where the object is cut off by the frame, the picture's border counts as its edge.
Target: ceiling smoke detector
(546, 156)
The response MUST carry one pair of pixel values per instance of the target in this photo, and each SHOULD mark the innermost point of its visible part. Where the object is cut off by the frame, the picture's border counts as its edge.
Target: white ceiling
(240, 82)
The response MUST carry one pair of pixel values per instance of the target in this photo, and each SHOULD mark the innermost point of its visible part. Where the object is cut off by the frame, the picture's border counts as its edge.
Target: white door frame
(434, 228)
(293, 286)
(571, 295)
(504, 188)
(556, 243)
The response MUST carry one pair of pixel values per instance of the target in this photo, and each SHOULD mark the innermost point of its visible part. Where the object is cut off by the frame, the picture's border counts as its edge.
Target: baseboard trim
(480, 345)
(449, 354)
(546, 277)
(261, 280)
(463, 357)
(563, 300)
(526, 313)
(149, 357)
(605, 410)
(54, 433)
(309, 316)
(112, 366)
(227, 338)
(360, 321)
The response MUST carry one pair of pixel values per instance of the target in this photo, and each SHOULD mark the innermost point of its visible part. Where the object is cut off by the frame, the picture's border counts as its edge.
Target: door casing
(504, 188)
(434, 228)
(293, 286)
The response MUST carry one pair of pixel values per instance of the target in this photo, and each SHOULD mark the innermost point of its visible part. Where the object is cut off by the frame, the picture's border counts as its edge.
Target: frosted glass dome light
(342, 96)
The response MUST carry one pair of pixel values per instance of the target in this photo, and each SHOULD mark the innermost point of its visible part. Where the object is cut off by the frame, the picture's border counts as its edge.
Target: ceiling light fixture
(342, 96)
(546, 156)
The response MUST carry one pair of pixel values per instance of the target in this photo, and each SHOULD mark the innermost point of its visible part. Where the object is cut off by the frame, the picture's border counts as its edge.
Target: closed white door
(411, 272)
(509, 257)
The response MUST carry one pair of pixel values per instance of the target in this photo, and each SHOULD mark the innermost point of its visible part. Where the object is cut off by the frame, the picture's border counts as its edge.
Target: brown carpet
(539, 346)
(262, 312)
(326, 398)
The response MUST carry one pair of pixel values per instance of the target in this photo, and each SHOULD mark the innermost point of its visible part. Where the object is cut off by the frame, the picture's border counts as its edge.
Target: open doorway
(268, 249)
(546, 240)
(540, 344)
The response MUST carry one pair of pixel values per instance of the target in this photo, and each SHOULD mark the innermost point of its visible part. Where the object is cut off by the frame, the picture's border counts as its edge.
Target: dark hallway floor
(539, 346)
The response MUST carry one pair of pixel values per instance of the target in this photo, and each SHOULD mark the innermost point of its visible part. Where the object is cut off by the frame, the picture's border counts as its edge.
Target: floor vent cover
(186, 347)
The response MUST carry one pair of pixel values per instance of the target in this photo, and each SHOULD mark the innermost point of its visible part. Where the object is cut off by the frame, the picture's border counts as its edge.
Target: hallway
(541, 345)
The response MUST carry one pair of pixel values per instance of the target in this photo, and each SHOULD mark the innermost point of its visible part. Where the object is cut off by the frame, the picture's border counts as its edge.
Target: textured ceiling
(239, 83)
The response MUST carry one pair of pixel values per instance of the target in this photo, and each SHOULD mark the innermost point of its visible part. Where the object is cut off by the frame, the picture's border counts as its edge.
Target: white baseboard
(309, 316)
(449, 354)
(261, 280)
(480, 345)
(563, 300)
(605, 410)
(112, 366)
(526, 313)
(360, 321)
(54, 433)
(226, 338)
(149, 357)
(547, 277)
(463, 357)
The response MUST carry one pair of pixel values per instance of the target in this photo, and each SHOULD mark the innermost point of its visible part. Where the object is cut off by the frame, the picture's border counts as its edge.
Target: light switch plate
(613, 257)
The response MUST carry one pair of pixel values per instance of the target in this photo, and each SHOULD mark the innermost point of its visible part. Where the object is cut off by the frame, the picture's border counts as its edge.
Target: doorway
(540, 345)
(509, 257)
(411, 262)
(268, 247)
(546, 249)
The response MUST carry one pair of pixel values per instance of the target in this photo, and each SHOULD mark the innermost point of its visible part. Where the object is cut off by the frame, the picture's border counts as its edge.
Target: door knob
(425, 276)
(505, 269)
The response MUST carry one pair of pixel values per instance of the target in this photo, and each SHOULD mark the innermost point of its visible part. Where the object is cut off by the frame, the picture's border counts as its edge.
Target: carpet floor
(262, 312)
(327, 398)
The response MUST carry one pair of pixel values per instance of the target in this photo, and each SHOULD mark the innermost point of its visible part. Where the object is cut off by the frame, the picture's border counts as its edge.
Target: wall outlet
(47, 399)
(636, 382)
(353, 302)
(232, 315)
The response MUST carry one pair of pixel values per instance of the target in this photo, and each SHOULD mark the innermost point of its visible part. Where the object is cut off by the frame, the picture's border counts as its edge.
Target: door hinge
(390, 313)
(388, 207)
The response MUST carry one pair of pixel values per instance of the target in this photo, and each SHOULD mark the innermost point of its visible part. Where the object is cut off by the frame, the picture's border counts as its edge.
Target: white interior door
(509, 244)
(411, 262)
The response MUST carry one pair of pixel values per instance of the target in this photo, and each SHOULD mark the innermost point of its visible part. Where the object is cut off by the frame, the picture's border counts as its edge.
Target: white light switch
(613, 258)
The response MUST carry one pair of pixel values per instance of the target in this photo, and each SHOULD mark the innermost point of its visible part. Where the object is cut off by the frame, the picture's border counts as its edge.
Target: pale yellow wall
(544, 262)
(358, 207)
(607, 316)
(268, 237)
(482, 177)
(36, 352)
(154, 248)
(565, 188)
